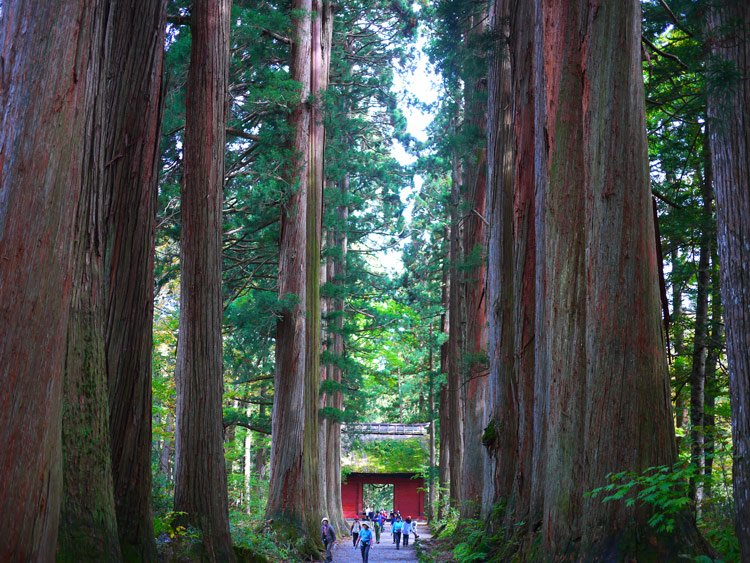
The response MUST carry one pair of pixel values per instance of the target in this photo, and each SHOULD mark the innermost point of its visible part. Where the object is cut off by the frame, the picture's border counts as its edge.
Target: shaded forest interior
(232, 231)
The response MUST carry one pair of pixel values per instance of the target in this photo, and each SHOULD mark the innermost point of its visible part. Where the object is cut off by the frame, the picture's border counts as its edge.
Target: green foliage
(256, 538)
(663, 488)
(388, 456)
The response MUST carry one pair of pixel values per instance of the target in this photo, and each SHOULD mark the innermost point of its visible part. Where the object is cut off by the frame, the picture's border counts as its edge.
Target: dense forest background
(232, 228)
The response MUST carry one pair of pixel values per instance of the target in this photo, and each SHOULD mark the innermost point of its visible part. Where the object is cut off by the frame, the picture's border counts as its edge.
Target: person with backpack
(365, 542)
(397, 527)
(355, 530)
(329, 538)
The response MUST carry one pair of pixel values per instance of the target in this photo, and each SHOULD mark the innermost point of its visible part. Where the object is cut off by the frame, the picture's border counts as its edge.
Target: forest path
(384, 552)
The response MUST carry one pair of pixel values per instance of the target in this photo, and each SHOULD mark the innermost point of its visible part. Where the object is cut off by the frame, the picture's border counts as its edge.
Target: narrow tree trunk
(678, 342)
(456, 333)
(700, 341)
(165, 451)
(443, 455)
(431, 496)
(51, 74)
(715, 349)
(444, 451)
(728, 115)
(200, 472)
(335, 506)
(248, 465)
(133, 118)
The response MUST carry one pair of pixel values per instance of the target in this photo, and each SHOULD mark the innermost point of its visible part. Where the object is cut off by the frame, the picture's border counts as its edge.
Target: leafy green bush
(664, 488)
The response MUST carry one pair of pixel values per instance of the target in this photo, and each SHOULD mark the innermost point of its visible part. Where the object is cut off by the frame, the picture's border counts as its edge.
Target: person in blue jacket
(397, 527)
(365, 542)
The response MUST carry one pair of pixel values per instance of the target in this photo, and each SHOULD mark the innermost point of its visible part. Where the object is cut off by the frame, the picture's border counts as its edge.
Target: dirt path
(384, 552)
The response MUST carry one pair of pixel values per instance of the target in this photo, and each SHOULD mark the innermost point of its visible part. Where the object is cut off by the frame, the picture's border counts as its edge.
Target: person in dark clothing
(355, 530)
(329, 538)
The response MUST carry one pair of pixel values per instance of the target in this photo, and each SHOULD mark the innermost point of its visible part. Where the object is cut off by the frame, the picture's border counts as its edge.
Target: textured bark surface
(444, 449)
(603, 356)
(456, 328)
(579, 341)
(700, 339)
(500, 435)
(333, 445)
(88, 528)
(200, 473)
(48, 81)
(729, 115)
(290, 495)
(475, 348)
(132, 145)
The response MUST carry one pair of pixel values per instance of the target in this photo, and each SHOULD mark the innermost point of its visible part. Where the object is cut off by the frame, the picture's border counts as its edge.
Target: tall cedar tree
(131, 157)
(474, 199)
(50, 77)
(729, 113)
(88, 528)
(294, 490)
(598, 351)
(200, 472)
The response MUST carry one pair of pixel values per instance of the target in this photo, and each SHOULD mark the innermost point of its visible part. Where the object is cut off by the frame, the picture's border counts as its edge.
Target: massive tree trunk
(88, 528)
(584, 279)
(475, 346)
(50, 76)
(294, 489)
(512, 258)
(200, 472)
(132, 152)
(728, 115)
(602, 357)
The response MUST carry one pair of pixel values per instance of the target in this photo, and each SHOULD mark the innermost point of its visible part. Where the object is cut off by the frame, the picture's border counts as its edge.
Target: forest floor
(384, 552)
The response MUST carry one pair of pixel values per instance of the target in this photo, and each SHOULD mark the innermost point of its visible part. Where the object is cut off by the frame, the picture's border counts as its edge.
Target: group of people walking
(369, 528)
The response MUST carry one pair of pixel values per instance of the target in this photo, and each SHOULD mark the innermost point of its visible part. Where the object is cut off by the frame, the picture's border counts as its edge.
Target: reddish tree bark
(132, 152)
(294, 491)
(333, 443)
(475, 346)
(49, 79)
(88, 528)
(584, 281)
(728, 114)
(200, 472)
(456, 326)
